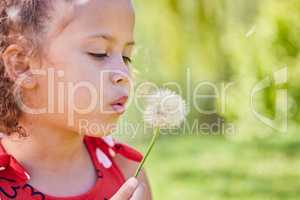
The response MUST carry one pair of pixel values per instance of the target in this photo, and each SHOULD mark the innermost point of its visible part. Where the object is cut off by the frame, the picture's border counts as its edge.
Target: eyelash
(126, 59)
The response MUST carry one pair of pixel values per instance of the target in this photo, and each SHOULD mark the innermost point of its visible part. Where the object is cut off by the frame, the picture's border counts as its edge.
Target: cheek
(88, 89)
(84, 81)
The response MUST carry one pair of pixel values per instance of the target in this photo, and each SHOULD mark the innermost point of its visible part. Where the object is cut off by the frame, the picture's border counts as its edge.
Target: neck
(45, 146)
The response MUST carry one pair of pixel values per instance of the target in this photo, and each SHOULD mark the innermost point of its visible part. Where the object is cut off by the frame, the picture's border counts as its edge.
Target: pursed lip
(119, 104)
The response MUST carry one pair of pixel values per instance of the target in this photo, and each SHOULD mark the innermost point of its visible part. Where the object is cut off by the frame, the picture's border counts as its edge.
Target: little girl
(64, 83)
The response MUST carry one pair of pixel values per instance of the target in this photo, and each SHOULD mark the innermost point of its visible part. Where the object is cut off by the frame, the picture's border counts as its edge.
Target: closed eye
(126, 59)
(98, 55)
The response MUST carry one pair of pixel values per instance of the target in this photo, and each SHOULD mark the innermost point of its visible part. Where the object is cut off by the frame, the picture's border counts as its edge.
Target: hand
(131, 190)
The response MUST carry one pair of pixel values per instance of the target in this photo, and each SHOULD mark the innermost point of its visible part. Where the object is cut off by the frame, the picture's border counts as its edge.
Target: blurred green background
(233, 44)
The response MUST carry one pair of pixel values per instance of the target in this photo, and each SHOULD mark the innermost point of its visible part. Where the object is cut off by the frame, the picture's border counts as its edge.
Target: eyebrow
(109, 37)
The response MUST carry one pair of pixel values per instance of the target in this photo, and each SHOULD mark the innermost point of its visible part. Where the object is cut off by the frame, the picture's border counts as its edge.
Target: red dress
(13, 177)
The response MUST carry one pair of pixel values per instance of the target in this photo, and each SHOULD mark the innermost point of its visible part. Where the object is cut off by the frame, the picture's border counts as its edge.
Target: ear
(16, 63)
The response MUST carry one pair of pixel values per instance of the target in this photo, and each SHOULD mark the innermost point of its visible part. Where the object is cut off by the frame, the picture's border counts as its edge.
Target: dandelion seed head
(165, 109)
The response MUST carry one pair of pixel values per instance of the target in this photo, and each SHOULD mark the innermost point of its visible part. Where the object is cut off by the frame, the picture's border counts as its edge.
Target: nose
(120, 78)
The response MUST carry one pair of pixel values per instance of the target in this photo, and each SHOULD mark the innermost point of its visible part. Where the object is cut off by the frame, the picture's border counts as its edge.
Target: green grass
(215, 168)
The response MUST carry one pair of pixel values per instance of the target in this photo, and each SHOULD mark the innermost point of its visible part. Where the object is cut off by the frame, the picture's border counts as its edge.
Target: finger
(126, 191)
(139, 193)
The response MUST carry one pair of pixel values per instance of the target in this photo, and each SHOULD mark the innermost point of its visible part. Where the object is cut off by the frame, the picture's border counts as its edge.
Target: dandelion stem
(154, 138)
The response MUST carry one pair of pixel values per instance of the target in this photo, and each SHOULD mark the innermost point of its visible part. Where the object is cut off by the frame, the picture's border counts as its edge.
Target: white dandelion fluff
(251, 31)
(165, 109)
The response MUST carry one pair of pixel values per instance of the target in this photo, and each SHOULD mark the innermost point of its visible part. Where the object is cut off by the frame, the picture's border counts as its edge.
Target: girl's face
(86, 55)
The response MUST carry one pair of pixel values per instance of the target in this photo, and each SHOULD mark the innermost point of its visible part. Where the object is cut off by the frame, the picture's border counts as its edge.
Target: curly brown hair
(19, 20)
